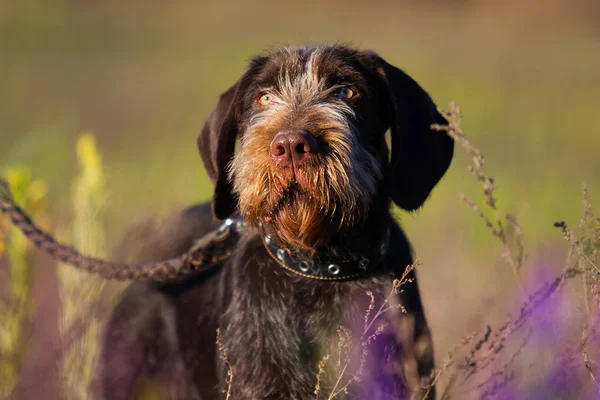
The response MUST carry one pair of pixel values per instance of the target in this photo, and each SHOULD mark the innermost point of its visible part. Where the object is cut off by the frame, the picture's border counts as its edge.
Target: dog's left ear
(420, 155)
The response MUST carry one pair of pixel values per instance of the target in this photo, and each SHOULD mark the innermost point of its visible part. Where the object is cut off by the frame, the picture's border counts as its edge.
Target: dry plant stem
(480, 360)
(225, 358)
(587, 362)
(586, 302)
(385, 306)
(322, 364)
(588, 367)
(503, 371)
(448, 362)
(513, 248)
(577, 247)
(582, 259)
(588, 222)
(588, 217)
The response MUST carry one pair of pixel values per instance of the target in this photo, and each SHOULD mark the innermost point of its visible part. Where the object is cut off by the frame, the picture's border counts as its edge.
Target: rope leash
(214, 247)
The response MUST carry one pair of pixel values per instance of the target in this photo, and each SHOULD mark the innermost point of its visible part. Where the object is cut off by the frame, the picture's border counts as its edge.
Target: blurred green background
(143, 76)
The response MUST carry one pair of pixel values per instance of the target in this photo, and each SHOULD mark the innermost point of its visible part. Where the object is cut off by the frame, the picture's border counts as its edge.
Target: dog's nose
(293, 147)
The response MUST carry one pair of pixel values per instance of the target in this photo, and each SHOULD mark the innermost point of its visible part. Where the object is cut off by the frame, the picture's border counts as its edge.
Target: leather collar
(329, 264)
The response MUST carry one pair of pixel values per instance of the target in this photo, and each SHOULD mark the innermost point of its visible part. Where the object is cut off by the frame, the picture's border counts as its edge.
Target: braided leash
(212, 248)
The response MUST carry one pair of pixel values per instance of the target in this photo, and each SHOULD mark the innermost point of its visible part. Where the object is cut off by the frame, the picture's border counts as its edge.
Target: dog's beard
(305, 208)
(301, 209)
(301, 220)
(307, 205)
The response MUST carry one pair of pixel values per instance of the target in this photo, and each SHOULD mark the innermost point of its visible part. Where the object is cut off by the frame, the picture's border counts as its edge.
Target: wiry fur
(277, 325)
(334, 188)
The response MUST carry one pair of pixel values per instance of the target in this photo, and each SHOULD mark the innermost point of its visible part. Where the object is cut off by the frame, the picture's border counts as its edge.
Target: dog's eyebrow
(343, 73)
(355, 81)
(264, 89)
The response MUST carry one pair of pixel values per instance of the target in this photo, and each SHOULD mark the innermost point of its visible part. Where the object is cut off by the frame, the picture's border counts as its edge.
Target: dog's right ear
(216, 142)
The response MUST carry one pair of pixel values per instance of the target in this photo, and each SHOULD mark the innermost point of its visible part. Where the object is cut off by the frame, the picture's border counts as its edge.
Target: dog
(298, 155)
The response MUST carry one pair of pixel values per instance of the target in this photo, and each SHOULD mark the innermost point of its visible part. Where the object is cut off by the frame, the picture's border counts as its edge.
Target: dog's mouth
(303, 194)
(298, 219)
(305, 204)
(290, 194)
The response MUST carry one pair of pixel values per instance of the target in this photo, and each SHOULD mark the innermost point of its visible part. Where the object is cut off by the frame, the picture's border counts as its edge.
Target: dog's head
(312, 156)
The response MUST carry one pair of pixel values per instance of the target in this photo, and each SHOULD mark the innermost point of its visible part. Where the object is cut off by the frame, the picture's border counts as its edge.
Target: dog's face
(310, 144)
(312, 154)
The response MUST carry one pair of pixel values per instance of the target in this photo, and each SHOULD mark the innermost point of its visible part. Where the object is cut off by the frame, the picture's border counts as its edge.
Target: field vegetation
(101, 102)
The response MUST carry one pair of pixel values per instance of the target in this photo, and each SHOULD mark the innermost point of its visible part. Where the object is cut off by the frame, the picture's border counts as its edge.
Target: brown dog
(312, 180)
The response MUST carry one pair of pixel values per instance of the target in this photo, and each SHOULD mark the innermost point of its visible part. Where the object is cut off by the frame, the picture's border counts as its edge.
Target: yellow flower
(91, 162)
(87, 151)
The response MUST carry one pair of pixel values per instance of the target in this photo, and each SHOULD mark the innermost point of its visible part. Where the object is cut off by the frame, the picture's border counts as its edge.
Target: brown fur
(277, 325)
(333, 190)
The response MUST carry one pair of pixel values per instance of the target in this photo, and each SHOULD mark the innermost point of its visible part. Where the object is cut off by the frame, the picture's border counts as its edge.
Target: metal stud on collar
(225, 225)
(281, 254)
(324, 266)
(333, 269)
(304, 266)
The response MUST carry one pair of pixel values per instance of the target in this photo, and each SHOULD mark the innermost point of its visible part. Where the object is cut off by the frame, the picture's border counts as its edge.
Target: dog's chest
(285, 328)
(290, 313)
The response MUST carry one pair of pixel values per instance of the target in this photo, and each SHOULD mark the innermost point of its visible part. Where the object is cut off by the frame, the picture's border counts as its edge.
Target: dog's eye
(265, 99)
(346, 93)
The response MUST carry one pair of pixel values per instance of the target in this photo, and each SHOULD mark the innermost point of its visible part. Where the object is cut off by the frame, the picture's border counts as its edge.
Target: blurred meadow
(143, 76)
